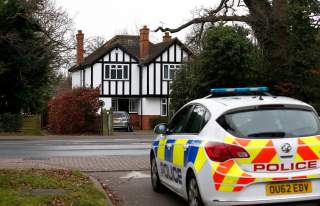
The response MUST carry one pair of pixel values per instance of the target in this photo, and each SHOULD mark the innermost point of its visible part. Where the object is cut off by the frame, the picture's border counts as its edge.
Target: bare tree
(93, 43)
(58, 29)
(267, 19)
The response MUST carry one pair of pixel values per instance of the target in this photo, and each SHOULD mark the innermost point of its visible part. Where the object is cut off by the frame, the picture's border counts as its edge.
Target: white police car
(239, 150)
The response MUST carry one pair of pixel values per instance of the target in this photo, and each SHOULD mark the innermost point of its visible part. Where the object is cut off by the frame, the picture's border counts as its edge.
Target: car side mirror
(161, 129)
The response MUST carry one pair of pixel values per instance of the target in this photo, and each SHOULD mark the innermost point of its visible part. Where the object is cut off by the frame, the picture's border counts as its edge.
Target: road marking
(135, 175)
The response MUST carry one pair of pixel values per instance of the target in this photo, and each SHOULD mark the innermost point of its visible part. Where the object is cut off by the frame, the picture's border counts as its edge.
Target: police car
(239, 149)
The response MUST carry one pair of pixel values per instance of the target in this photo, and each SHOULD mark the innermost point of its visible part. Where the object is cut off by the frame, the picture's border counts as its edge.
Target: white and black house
(133, 74)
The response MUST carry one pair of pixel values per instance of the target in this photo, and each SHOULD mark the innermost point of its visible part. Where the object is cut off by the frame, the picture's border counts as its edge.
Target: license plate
(288, 188)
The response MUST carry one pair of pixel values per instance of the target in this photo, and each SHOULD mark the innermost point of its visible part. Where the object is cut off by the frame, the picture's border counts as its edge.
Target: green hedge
(157, 120)
(10, 122)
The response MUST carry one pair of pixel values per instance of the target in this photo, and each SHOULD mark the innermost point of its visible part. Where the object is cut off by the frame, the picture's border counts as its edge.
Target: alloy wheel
(194, 198)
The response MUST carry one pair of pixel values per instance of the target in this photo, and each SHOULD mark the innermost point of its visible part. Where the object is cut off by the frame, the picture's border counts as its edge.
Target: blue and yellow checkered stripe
(182, 152)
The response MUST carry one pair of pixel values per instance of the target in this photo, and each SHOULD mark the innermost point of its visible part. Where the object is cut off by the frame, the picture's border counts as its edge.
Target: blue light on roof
(239, 90)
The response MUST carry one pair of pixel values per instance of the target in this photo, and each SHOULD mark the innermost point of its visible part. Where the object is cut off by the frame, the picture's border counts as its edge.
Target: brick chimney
(80, 47)
(166, 37)
(144, 42)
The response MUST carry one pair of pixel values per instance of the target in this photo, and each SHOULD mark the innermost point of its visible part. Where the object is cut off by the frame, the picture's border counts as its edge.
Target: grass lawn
(48, 188)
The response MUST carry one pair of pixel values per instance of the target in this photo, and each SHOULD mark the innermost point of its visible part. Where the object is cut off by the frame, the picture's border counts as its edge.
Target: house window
(133, 106)
(117, 72)
(115, 105)
(169, 71)
(164, 107)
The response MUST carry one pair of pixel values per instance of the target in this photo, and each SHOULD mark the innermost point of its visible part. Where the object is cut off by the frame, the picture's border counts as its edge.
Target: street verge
(48, 187)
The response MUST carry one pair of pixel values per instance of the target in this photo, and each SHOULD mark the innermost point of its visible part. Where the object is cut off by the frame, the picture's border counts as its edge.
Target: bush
(74, 112)
(157, 120)
(10, 122)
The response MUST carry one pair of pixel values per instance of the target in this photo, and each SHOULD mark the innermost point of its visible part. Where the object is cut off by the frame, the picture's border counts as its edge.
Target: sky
(110, 17)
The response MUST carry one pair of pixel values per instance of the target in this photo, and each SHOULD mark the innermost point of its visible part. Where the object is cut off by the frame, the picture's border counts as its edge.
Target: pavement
(84, 164)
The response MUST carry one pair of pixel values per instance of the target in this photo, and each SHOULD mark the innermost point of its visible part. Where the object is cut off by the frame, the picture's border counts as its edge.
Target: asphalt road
(38, 149)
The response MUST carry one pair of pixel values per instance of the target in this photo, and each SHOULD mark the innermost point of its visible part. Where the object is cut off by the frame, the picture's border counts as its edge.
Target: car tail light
(221, 152)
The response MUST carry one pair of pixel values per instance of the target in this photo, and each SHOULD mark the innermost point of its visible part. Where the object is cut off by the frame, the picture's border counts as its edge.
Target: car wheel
(155, 180)
(194, 197)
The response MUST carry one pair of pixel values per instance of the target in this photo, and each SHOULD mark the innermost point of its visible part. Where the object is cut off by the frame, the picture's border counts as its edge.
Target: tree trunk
(269, 24)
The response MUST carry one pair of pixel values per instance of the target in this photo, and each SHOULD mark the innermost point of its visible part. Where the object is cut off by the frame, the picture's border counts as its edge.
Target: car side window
(178, 123)
(198, 119)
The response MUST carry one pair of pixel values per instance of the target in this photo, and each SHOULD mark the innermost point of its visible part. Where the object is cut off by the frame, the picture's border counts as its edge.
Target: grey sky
(109, 17)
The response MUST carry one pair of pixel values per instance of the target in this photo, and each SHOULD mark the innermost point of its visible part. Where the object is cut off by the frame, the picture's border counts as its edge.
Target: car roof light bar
(241, 90)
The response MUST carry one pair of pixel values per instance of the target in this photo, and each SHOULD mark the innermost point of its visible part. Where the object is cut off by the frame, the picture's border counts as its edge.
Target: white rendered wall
(151, 106)
(96, 75)
(75, 76)
(135, 79)
(107, 102)
(88, 77)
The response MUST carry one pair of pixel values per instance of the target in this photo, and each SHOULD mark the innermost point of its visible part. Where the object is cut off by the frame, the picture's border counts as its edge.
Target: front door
(123, 105)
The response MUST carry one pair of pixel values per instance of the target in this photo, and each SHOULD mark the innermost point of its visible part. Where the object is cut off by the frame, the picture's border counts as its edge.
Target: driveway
(134, 189)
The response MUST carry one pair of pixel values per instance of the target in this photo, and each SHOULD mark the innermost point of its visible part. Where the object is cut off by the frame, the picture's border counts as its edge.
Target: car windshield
(271, 123)
(119, 115)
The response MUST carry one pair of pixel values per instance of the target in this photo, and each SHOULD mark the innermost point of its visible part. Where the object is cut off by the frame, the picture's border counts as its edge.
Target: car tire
(194, 197)
(157, 186)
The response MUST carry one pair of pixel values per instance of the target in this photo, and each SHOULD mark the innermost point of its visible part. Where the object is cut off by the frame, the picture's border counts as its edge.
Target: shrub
(10, 122)
(157, 120)
(74, 112)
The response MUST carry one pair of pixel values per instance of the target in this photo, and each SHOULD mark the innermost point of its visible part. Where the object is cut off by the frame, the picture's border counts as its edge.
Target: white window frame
(117, 105)
(131, 108)
(116, 67)
(164, 102)
(174, 67)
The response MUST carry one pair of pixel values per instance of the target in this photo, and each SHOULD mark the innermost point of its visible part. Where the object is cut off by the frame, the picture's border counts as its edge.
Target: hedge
(157, 120)
(74, 112)
(10, 122)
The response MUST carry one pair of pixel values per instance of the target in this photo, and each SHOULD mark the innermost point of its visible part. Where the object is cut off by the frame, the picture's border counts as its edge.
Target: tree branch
(221, 5)
(207, 19)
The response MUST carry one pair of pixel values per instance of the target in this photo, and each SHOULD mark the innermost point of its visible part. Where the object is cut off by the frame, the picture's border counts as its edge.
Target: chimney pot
(166, 37)
(144, 42)
(80, 47)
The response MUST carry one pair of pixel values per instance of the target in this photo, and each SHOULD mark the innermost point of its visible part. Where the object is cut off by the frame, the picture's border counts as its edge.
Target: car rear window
(271, 123)
(119, 115)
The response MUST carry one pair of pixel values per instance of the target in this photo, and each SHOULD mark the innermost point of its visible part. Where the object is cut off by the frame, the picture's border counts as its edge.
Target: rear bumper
(120, 125)
(256, 194)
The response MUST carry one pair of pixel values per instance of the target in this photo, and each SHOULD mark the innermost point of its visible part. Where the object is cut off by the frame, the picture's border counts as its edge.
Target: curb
(100, 188)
